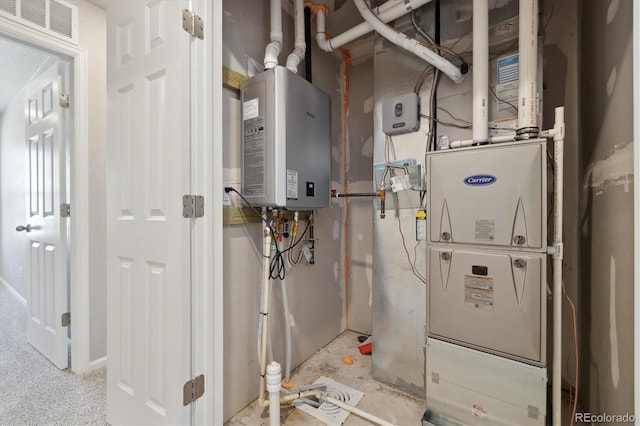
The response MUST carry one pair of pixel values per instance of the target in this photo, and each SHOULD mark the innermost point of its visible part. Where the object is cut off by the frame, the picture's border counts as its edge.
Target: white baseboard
(98, 363)
(13, 292)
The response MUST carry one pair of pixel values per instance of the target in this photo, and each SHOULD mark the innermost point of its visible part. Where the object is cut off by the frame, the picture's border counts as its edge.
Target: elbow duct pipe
(528, 69)
(392, 9)
(272, 50)
(409, 44)
(389, 11)
(480, 70)
(300, 45)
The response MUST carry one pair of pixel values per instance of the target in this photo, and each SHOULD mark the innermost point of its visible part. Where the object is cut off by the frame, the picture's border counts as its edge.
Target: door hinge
(193, 390)
(192, 206)
(65, 210)
(193, 24)
(65, 100)
(66, 319)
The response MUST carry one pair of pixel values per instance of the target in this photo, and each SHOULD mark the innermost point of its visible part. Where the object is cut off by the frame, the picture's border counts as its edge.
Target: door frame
(80, 355)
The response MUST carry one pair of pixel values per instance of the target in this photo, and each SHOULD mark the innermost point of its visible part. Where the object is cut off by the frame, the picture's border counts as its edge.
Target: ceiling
(18, 64)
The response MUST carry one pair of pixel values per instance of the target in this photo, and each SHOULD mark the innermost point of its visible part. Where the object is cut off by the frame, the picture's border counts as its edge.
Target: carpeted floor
(32, 390)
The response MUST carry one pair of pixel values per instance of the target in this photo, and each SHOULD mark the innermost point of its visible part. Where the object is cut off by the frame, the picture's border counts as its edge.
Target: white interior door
(44, 229)
(148, 240)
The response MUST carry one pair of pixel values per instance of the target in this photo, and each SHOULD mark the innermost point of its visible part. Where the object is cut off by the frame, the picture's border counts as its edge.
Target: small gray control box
(400, 114)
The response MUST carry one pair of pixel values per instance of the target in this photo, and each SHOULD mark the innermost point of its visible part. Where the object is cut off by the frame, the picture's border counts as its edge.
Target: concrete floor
(380, 400)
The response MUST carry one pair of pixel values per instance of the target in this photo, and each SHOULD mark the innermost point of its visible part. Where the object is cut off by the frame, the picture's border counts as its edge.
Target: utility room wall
(606, 217)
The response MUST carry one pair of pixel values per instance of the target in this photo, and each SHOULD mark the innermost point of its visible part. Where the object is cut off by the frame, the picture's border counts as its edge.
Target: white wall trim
(13, 292)
(636, 208)
(79, 185)
(206, 179)
(98, 363)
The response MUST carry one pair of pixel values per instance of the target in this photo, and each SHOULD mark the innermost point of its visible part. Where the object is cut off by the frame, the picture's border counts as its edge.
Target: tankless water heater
(286, 141)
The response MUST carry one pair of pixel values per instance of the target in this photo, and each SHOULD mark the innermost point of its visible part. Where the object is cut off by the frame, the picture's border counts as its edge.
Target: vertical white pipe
(272, 50)
(274, 376)
(480, 70)
(557, 266)
(300, 46)
(264, 312)
(528, 65)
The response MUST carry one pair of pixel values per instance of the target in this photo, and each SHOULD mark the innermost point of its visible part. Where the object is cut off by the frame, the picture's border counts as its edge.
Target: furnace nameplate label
(508, 84)
(485, 230)
(478, 292)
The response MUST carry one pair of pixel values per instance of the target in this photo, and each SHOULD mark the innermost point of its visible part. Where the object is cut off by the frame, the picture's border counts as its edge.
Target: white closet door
(44, 229)
(149, 306)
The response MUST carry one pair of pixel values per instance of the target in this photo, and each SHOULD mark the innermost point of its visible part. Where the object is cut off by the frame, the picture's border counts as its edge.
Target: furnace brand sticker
(485, 230)
(478, 292)
(480, 180)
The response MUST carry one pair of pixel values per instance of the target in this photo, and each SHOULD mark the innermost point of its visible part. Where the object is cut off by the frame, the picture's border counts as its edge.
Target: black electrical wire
(277, 268)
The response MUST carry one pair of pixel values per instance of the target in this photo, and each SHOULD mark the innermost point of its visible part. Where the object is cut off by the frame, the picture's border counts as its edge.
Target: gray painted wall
(606, 221)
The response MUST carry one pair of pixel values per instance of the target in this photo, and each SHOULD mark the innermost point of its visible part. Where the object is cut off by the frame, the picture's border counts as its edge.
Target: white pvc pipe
(300, 46)
(557, 266)
(409, 44)
(528, 64)
(287, 322)
(491, 140)
(480, 70)
(321, 32)
(266, 260)
(358, 412)
(274, 375)
(272, 50)
(262, 280)
(389, 11)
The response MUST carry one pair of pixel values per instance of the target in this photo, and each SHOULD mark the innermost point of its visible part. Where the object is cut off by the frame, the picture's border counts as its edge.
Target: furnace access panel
(491, 195)
(492, 301)
(286, 141)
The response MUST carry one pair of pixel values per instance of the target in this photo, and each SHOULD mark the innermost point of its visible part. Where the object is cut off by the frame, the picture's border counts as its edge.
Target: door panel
(148, 248)
(45, 159)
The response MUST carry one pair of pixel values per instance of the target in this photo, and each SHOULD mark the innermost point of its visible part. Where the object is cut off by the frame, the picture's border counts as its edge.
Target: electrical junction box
(400, 114)
(494, 301)
(469, 387)
(286, 141)
(493, 195)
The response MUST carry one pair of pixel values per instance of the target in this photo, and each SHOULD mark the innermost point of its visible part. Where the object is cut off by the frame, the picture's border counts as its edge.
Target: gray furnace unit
(286, 141)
